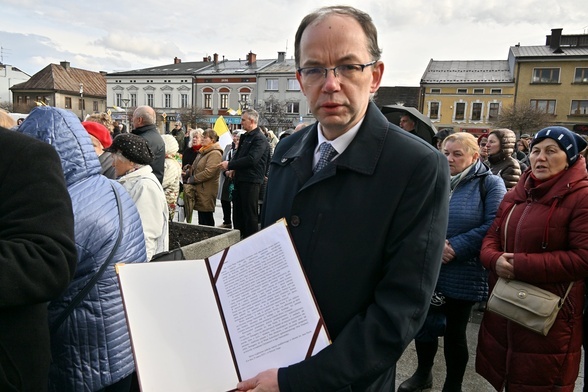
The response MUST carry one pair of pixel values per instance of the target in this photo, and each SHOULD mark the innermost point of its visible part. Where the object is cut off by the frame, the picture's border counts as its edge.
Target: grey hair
(252, 115)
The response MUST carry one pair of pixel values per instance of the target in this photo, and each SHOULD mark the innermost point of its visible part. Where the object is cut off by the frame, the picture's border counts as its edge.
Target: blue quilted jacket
(91, 349)
(469, 219)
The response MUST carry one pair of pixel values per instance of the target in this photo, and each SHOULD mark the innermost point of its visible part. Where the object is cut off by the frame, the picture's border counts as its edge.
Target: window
(293, 107)
(434, 110)
(224, 101)
(478, 91)
(579, 107)
(133, 100)
(460, 111)
(150, 100)
(67, 102)
(81, 104)
(477, 111)
(271, 84)
(184, 101)
(546, 75)
(118, 100)
(293, 85)
(462, 90)
(544, 105)
(435, 91)
(270, 107)
(167, 99)
(496, 91)
(207, 101)
(244, 98)
(95, 106)
(581, 75)
(493, 111)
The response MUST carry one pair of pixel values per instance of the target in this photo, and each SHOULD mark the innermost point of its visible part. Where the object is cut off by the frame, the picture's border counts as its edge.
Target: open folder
(205, 325)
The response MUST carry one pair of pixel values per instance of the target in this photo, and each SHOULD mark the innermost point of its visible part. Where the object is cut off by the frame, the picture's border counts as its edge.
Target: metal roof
(286, 66)
(186, 68)
(467, 71)
(235, 67)
(546, 51)
(56, 77)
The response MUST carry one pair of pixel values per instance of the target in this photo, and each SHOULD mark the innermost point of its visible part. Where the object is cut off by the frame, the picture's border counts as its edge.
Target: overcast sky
(124, 35)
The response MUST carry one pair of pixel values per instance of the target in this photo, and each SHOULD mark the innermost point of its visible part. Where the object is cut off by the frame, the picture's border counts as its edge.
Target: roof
(398, 95)
(232, 67)
(168, 69)
(286, 66)
(546, 51)
(467, 71)
(60, 78)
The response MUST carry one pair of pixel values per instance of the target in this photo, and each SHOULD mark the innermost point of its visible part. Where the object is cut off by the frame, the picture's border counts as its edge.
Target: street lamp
(82, 99)
(125, 102)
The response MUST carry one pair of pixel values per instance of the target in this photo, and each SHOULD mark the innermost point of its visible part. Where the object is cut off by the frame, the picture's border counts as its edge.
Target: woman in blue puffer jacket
(91, 350)
(475, 196)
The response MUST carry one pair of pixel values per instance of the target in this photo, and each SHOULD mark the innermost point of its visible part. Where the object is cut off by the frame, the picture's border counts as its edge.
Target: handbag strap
(562, 300)
(78, 298)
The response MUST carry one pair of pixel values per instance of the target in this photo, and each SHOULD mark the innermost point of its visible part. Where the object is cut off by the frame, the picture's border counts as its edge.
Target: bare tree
(194, 115)
(522, 118)
(6, 105)
(273, 114)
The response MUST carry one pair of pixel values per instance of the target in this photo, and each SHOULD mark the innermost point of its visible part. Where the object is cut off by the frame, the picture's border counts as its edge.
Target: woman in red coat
(546, 245)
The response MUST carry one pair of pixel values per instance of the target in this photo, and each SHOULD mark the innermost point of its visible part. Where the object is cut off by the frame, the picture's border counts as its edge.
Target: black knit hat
(571, 143)
(132, 147)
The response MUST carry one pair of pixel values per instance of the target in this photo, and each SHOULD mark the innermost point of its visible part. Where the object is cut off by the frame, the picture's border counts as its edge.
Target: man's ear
(377, 74)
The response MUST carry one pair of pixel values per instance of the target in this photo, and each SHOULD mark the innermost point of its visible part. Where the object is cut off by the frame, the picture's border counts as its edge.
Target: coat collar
(361, 156)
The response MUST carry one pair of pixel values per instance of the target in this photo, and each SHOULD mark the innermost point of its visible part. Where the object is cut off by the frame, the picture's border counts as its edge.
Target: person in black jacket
(248, 169)
(37, 256)
(144, 126)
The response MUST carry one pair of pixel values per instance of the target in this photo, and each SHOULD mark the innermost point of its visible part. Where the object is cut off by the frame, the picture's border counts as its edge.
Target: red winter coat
(548, 234)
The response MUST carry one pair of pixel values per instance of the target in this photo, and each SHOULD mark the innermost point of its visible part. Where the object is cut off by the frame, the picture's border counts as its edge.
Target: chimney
(251, 58)
(205, 59)
(281, 57)
(177, 60)
(215, 58)
(554, 40)
(65, 64)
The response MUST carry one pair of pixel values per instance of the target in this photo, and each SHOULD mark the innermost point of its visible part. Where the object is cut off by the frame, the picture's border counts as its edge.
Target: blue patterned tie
(327, 153)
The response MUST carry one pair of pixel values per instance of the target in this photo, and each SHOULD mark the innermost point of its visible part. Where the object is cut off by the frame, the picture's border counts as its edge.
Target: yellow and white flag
(222, 130)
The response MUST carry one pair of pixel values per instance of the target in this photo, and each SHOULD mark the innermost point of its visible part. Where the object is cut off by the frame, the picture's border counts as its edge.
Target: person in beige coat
(205, 175)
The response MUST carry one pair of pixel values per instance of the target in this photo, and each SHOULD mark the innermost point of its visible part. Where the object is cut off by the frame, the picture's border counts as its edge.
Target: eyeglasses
(342, 72)
(483, 144)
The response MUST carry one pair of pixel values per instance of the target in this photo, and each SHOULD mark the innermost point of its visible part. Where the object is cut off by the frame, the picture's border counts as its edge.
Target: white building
(9, 76)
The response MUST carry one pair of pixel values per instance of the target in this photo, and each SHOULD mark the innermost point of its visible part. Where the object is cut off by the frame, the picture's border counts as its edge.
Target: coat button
(295, 220)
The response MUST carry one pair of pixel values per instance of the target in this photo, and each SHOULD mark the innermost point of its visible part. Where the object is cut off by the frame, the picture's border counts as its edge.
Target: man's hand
(224, 165)
(266, 381)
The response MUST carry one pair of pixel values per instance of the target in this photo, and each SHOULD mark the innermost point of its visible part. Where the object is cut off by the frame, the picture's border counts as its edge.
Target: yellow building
(466, 95)
(554, 78)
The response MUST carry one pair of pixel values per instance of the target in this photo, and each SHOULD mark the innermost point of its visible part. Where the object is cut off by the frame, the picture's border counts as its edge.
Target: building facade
(60, 85)
(466, 95)
(554, 78)
(9, 76)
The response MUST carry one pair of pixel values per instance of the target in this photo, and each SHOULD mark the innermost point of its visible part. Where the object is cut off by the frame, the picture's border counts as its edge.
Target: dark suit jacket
(370, 230)
(157, 146)
(252, 157)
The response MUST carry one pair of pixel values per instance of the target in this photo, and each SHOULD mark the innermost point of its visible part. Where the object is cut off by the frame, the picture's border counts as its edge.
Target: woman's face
(520, 146)
(484, 147)
(206, 141)
(493, 145)
(458, 157)
(547, 159)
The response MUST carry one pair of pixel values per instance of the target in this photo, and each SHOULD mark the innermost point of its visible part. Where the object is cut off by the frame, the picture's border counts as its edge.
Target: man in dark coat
(248, 169)
(369, 224)
(37, 256)
(144, 126)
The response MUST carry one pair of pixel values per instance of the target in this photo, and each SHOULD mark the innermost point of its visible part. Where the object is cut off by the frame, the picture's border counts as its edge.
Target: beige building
(554, 78)
(466, 95)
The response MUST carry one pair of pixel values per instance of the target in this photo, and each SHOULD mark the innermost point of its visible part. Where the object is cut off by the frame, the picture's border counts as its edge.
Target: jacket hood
(507, 140)
(64, 131)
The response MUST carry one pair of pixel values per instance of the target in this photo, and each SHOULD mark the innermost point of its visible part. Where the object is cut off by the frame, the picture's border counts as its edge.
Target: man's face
(247, 124)
(406, 123)
(338, 103)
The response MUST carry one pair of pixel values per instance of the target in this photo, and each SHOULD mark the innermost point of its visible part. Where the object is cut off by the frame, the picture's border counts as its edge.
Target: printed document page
(269, 310)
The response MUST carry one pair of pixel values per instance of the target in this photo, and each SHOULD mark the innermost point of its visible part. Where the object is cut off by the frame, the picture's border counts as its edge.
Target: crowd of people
(435, 234)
